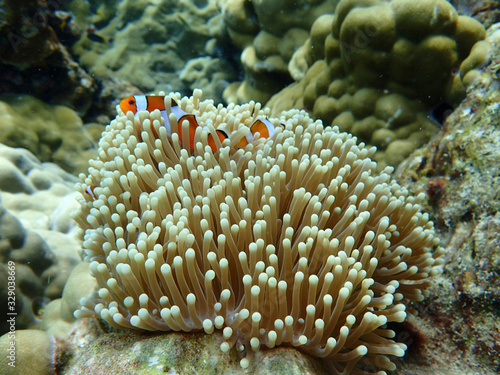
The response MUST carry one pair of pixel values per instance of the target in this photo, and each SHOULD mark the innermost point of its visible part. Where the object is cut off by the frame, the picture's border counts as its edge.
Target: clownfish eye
(131, 101)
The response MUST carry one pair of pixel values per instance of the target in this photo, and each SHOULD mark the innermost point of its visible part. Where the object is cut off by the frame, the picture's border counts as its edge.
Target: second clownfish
(150, 103)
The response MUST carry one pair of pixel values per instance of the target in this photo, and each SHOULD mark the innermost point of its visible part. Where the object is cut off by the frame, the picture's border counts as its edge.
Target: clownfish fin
(177, 110)
(182, 116)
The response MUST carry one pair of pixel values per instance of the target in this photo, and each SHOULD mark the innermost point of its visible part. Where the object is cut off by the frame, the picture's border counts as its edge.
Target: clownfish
(90, 191)
(264, 127)
(150, 103)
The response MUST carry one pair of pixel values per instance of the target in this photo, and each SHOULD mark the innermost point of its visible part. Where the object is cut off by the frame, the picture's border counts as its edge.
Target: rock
(33, 59)
(179, 353)
(456, 329)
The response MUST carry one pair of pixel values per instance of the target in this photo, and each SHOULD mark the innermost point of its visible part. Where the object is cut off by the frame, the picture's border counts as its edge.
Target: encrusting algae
(290, 240)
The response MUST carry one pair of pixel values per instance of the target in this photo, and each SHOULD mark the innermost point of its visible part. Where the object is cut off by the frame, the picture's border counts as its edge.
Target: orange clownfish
(149, 103)
(262, 126)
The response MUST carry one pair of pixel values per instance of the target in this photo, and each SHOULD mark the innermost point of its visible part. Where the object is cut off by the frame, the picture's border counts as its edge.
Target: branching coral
(292, 240)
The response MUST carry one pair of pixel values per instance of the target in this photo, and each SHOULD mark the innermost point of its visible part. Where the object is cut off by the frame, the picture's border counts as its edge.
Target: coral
(32, 353)
(485, 11)
(291, 240)
(33, 59)
(56, 318)
(265, 70)
(149, 43)
(35, 230)
(32, 259)
(385, 65)
(459, 171)
(268, 33)
(53, 133)
(208, 72)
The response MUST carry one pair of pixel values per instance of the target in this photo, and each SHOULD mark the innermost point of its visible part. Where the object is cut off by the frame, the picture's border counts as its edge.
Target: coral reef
(485, 11)
(53, 133)
(155, 43)
(457, 328)
(33, 59)
(377, 68)
(35, 231)
(268, 33)
(289, 240)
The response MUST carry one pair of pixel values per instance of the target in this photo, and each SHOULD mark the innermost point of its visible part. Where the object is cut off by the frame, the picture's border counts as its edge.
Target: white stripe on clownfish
(149, 103)
(90, 191)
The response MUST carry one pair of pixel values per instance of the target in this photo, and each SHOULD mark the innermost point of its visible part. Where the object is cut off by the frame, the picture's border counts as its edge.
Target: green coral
(383, 66)
(149, 43)
(33, 353)
(51, 132)
(269, 32)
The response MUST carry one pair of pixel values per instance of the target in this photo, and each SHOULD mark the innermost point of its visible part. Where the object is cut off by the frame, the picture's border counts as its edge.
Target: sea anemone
(292, 240)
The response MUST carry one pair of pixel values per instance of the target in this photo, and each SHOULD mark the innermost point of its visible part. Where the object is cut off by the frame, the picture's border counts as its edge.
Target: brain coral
(292, 240)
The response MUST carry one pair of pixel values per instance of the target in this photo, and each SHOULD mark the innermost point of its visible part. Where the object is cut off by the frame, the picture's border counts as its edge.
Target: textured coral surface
(379, 69)
(457, 328)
